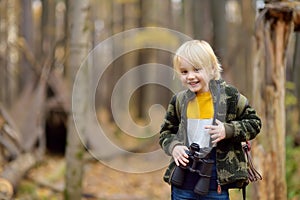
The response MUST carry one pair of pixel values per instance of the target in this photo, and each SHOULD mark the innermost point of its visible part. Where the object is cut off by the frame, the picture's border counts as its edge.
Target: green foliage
(291, 110)
(80, 154)
(290, 97)
(30, 191)
(27, 188)
(292, 151)
(292, 169)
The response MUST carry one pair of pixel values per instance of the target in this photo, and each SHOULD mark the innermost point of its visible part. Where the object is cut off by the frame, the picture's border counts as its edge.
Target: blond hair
(199, 54)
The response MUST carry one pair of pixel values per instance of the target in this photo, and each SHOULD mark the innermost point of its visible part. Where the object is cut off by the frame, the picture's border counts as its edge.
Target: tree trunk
(48, 27)
(13, 54)
(248, 19)
(145, 95)
(79, 36)
(187, 18)
(274, 28)
(130, 59)
(26, 27)
(3, 51)
(202, 20)
(220, 32)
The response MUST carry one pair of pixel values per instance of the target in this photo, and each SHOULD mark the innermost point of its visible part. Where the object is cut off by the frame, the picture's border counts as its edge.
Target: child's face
(194, 79)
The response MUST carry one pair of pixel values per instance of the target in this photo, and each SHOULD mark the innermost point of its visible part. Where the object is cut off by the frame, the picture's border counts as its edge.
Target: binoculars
(202, 167)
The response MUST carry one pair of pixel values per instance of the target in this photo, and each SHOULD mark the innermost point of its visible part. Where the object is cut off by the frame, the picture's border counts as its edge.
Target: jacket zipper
(219, 189)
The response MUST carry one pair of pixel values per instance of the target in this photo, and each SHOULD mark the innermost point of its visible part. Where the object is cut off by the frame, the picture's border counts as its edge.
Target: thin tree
(13, 54)
(79, 40)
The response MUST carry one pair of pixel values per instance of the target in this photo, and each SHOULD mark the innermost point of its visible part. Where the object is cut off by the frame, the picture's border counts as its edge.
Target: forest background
(70, 67)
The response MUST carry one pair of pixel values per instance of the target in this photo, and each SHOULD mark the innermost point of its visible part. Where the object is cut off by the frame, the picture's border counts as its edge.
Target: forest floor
(46, 181)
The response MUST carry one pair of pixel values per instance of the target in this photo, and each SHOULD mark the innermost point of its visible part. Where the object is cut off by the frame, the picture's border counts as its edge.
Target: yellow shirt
(201, 107)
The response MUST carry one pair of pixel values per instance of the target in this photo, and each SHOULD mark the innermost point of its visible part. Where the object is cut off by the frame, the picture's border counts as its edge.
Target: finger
(184, 154)
(208, 127)
(176, 161)
(218, 122)
(183, 161)
(213, 132)
(216, 140)
(214, 136)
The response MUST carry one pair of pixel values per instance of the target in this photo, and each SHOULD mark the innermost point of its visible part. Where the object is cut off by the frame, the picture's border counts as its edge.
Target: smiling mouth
(193, 83)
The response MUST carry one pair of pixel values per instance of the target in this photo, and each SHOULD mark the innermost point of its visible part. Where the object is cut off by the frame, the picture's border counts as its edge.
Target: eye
(197, 69)
(183, 72)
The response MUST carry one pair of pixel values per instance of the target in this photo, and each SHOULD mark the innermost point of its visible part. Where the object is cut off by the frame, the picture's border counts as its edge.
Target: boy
(213, 115)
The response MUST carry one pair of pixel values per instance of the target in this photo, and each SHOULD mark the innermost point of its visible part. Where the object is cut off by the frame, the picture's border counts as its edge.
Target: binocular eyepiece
(200, 166)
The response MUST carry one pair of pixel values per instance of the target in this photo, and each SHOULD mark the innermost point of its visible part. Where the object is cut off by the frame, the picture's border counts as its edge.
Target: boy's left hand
(217, 132)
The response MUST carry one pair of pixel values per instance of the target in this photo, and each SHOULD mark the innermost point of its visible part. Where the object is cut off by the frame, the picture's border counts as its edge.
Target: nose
(191, 75)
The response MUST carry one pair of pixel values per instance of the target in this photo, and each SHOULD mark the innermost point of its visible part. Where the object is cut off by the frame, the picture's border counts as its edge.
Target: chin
(194, 89)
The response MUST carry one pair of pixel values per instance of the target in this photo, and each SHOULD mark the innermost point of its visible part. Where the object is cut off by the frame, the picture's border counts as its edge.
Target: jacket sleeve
(247, 123)
(168, 133)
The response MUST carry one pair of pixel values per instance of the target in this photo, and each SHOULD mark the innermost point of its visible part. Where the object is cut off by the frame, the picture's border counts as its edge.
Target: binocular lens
(202, 167)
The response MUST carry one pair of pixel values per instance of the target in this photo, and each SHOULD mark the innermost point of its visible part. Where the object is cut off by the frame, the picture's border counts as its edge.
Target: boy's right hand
(180, 156)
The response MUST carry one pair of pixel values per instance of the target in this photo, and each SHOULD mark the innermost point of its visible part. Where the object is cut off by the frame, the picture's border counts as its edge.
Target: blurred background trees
(257, 43)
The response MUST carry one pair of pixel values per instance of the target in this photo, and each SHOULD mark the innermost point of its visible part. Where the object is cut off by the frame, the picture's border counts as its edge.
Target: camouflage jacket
(241, 124)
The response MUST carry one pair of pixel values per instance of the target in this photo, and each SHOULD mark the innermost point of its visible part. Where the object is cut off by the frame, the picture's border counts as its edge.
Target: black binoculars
(200, 166)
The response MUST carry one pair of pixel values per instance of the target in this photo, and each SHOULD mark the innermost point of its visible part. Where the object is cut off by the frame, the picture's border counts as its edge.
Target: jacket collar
(213, 85)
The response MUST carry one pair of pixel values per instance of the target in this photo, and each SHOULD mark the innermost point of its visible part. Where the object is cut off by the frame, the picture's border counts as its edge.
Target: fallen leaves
(100, 182)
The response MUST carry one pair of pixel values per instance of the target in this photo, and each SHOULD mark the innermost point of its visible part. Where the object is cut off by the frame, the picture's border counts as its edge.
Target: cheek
(204, 76)
(182, 78)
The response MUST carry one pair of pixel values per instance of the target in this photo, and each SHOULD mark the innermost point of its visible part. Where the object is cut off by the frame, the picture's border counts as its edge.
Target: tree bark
(79, 36)
(202, 20)
(274, 28)
(48, 27)
(220, 32)
(186, 20)
(26, 27)
(13, 55)
(3, 51)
